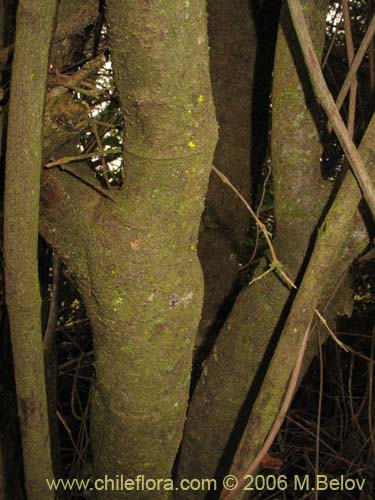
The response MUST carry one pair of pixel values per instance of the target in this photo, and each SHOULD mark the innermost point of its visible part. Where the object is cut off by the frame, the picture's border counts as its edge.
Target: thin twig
(85, 156)
(331, 45)
(325, 97)
(311, 433)
(53, 311)
(324, 321)
(264, 190)
(88, 182)
(351, 406)
(319, 415)
(74, 392)
(350, 52)
(371, 50)
(262, 275)
(275, 263)
(101, 152)
(361, 52)
(66, 427)
(371, 424)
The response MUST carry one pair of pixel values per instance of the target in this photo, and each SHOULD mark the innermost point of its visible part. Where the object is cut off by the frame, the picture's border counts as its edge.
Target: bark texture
(299, 193)
(21, 212)
(137, 266)
(232, 38)
(232, 373)
(332, 235)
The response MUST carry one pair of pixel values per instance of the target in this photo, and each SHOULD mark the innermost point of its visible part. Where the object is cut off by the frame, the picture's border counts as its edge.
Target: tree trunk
(232, 38)
(232, 374)
(135, 259)
(21, 214)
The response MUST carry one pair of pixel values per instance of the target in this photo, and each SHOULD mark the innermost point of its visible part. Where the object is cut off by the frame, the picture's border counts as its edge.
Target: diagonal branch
(355, 64)
(325, 97)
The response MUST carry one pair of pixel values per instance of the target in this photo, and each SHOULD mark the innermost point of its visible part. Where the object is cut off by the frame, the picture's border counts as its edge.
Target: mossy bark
(299, 193)
(232, 374)
(320, 274)
(135, 259)
(232, 38)
(21, 213)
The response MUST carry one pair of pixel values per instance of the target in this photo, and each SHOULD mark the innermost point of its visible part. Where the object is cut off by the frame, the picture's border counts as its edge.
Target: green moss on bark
(299, 194)
(21, 212)
(143, 288)
(218, 408)
(319, 275)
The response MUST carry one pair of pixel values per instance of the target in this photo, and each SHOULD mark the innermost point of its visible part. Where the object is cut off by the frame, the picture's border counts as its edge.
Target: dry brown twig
(84, 156)
(261, 202)
(101, 153)
(361, 52)
(319, 414)
(275, 263)
(350, 53)
(53, 311)
(331, 45)
(331, 333)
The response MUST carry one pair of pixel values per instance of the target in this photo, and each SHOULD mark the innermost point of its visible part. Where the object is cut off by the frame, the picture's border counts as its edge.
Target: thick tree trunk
(135, 258)
(232, 373)
(21, 213)
(232, 37)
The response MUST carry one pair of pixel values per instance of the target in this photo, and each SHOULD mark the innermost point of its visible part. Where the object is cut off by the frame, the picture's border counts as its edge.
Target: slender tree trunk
(232, 37)
(135, 258)
(21, 213)
(232, 374)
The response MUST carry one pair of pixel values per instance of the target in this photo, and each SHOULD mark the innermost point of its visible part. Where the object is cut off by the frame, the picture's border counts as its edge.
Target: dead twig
(324, 321)
(361, 52)
(101, 152)
(319, 415)
(85, 156)
(350, 52)
(275, 263)
(53, 312)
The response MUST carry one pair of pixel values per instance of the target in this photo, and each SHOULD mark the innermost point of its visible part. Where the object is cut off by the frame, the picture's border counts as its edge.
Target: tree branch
(354, 66)
(325, 98)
